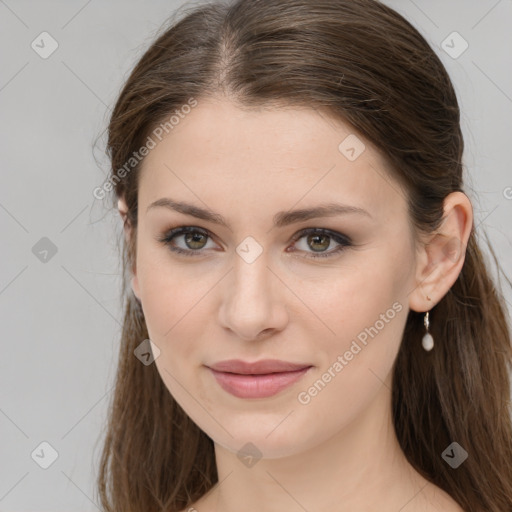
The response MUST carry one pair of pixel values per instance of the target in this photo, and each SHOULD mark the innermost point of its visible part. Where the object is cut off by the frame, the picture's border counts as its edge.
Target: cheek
(367, 310)
(171, 307)
(356, 365)
(360, 294)
(170, 300)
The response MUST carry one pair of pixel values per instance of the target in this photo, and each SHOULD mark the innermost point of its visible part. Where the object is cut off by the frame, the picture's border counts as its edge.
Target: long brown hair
(366, 65)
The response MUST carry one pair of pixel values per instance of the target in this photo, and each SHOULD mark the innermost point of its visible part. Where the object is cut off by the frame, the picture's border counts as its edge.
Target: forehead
(223, 128)
(228, 155)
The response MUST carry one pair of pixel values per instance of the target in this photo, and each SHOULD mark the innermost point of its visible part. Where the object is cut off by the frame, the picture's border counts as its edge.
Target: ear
(123, 211)
(441, 256)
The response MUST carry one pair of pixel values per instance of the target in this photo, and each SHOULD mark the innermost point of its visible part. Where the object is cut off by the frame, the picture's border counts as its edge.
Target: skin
(339, 451)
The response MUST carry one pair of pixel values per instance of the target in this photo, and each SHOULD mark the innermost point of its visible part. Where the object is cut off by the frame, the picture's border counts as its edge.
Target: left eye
(317, 239)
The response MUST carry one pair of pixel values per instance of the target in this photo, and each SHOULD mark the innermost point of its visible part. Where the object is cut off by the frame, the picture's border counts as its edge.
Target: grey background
(60, 319)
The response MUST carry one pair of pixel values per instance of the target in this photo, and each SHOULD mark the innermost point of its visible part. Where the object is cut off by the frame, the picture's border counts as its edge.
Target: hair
(365, 65)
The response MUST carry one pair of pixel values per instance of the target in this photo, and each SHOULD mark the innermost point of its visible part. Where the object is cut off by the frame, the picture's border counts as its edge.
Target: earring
(427, 341)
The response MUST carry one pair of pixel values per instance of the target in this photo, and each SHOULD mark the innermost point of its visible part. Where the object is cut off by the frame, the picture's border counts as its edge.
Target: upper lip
(258, 367)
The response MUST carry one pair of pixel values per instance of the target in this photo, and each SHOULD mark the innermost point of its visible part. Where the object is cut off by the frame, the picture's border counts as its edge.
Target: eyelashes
(316, 234)
(196, 235)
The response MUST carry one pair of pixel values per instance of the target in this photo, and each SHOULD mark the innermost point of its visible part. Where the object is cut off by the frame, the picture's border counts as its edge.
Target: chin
(269, 438)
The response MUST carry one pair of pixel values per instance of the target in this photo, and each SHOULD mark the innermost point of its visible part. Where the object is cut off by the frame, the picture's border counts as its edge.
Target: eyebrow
(281, 219)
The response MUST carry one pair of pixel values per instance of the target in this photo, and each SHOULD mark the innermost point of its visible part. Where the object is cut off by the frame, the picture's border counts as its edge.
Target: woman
(311, 324)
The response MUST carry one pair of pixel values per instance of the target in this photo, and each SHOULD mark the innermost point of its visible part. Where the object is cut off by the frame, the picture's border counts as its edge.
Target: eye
(194, 239)
(318, 239)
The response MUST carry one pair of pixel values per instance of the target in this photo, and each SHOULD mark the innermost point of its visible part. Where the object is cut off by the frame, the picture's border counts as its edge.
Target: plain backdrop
(60, 271)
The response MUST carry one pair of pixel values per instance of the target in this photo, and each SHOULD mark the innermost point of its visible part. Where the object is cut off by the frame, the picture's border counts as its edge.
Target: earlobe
(442, 257)
(123, 208)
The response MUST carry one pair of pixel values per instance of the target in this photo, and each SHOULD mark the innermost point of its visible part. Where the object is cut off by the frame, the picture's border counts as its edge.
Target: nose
(253, 300)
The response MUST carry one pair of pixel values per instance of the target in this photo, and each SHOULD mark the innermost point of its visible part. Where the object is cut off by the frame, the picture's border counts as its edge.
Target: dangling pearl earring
(428, 340)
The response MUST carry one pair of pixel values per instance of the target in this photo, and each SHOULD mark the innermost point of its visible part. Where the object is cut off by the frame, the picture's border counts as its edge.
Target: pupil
(313, 237)
(193, 238)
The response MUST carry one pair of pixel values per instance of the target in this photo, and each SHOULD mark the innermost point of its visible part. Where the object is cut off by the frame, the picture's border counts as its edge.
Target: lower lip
(257, 386)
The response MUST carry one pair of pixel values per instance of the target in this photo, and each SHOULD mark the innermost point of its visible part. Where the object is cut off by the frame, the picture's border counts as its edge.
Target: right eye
(194, 238)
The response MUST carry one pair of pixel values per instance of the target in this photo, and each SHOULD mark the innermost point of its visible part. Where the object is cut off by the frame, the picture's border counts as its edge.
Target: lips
(260, 379)
(257, 368)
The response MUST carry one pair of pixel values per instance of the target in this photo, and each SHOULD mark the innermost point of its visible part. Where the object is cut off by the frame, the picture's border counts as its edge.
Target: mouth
(257, 380)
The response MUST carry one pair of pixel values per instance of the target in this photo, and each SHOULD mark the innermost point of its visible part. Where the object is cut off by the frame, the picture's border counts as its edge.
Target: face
(327, 292)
